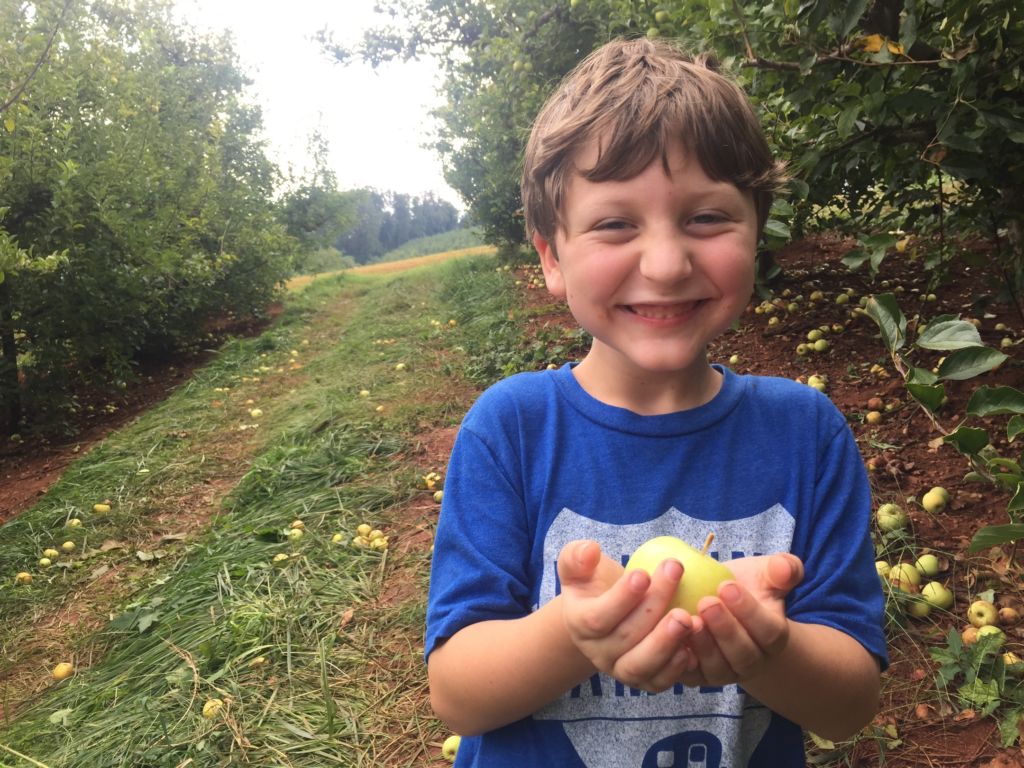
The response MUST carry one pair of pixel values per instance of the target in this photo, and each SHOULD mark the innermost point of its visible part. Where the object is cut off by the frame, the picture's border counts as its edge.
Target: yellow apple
(298, 524)
(68, 546)
(364, 530)
(295, 534)
(23, 578)
(927, 565)
(701, 574)
(982, 614)
(450, 748)
(99, 509)
(211, 708)
(905, 572)
(63, 671)
(934, 502)
(51, 553)
(44, 562)
(937, 594)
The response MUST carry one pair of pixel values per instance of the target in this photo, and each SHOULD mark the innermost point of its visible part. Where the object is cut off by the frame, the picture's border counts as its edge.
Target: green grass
(341, 681)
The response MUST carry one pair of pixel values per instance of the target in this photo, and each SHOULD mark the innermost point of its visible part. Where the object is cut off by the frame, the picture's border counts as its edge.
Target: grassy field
(180, 594)
(393, 267)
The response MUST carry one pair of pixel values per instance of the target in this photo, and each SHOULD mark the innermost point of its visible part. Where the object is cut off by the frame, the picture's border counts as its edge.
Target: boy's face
(654, 267)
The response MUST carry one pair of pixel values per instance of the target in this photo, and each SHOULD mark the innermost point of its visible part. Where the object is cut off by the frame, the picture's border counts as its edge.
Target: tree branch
(743, 29)
(42, 58)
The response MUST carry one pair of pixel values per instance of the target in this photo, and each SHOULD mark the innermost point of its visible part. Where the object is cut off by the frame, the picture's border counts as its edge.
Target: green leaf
(969, 362)
(59, 715)
(967, 440)
(853, 259)
(1017, 502)
(908, 31)
(854, 10)
(996, 535)
(979, 693)
(846, 121)
(1008, 732)
(891, 322)
(879, 241)
(1007, 463)
(920, 376)
(949, 334)
(800, 188)
(1014, 428)
(929, 396)
(987, 401)
(777, 229)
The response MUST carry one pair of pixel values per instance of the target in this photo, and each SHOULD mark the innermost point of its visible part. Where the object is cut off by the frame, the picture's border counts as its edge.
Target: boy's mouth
(662, 311)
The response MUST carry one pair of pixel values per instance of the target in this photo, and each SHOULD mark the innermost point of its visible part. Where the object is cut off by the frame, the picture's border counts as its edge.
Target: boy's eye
(706, 218)
(612, 225)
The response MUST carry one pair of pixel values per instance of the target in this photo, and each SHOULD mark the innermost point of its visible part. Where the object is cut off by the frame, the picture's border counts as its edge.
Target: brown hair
(636, 97)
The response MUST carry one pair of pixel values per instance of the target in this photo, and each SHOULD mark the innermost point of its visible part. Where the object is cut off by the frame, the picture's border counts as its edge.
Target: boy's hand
(738, 632)
(618, 620)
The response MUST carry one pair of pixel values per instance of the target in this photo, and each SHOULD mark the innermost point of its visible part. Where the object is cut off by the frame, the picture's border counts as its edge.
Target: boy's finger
(658, 660)
(595, 617)
(784, 571)
(577, 561)
(713, 665)
(741, 653)
(654, 605)
(766, 629)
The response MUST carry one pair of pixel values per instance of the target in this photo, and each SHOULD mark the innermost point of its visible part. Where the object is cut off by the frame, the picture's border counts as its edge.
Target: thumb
(578, 561)
(784, 571)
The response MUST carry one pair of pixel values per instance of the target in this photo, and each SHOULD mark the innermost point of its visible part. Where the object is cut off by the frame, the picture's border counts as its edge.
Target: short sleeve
(482, 546)
(841, 588)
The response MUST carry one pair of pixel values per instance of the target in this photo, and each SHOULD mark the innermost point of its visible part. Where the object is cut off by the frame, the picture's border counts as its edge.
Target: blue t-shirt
(768, 466)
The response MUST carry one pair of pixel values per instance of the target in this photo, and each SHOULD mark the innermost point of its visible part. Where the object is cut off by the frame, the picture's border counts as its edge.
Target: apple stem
(711, 537)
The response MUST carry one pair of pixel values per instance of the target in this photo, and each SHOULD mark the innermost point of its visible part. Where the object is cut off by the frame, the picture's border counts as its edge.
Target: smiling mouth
(662, 311)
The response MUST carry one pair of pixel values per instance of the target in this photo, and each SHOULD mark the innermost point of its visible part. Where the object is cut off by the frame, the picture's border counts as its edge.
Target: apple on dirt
(969, 636)
(890, 518)
(905, 572)
(937, 594)
(63, 671)
(701, 573)
(451, 745)
(883, 568)
(927, 565)
(982, 614)
(873, 417)
(51, 553)
(68, 546)
(1008, 617)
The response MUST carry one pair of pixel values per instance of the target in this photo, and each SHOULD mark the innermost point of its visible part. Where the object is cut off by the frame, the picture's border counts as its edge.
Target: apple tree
(893, 114)
(126, 150)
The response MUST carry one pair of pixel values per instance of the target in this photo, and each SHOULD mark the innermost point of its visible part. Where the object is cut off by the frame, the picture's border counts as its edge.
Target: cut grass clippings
(312, 666)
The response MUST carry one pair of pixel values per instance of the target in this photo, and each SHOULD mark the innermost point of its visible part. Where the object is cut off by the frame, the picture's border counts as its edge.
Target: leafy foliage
(127, 154)
(893, 114)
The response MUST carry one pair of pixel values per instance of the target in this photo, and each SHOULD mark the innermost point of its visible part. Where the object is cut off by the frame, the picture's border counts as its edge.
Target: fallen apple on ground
(890, 517)
(701, 574)
(905, 572)
(211, 708)
(937, 594)
(68, 546)
(927, 565)
(934, 502)
(450, 748)
(982, 614)
(63, 671)
(99, 509)
(23, 578)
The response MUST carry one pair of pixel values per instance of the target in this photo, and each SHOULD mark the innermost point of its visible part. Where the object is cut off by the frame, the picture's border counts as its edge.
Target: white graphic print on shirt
(612, 726)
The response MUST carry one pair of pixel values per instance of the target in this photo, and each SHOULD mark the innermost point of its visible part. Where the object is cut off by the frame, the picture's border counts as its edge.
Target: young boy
(646, 185)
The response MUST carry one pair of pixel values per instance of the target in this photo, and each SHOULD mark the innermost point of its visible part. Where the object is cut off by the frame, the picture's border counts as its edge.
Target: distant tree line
(388, 220)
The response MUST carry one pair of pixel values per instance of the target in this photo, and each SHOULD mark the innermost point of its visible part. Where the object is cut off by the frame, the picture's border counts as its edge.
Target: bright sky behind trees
(375, 121)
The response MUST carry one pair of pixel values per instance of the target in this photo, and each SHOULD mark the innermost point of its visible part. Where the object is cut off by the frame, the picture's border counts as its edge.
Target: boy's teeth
(661, 312)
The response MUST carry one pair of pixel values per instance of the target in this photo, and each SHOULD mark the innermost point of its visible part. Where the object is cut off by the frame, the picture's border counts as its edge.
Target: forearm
(823, 680)
(496, 672)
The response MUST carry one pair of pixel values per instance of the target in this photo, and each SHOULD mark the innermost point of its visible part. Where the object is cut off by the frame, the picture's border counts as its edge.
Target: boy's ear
(552, 269)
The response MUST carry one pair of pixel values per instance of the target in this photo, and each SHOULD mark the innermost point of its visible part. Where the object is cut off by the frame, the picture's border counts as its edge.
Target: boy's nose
(666, 258)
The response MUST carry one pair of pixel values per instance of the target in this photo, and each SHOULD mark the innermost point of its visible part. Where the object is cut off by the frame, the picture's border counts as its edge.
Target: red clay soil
(29, 468)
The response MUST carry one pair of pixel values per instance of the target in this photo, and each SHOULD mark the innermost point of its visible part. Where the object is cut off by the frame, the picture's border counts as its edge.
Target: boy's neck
(647, 393)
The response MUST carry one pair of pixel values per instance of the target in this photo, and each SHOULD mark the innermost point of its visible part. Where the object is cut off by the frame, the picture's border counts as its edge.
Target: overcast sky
(375, 121)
